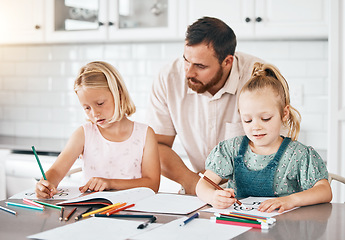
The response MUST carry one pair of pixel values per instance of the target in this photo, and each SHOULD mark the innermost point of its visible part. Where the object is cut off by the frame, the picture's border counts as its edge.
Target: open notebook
(145, 200)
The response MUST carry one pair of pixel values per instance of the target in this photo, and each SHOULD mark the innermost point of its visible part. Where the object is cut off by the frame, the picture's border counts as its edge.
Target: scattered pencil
(124, 215)
(70, 214)
(24, 206)
(81, 215)
(219, 188)
(120, 209)
(30, 202)
(196, 215)
(116, 206)
(98, 210)
(61, 213)
(48, 204)
(8, 210)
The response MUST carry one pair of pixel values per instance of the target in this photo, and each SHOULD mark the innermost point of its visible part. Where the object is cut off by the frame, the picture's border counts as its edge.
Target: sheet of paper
(65, 192)
(197, 229)
(132, 195)
(95, 228)
(169, 203)
(251, 202)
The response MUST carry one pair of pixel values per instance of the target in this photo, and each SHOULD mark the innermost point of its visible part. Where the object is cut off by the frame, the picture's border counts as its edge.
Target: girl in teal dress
(263, 163)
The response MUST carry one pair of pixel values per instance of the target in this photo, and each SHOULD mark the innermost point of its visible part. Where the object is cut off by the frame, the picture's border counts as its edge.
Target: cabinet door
(21, 21)
(238, 14)
(291, 19)
(140, 20)
(76, 21)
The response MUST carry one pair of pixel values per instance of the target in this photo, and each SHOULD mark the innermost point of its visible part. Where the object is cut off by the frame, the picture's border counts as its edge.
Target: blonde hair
(267, 75)
(103, 75)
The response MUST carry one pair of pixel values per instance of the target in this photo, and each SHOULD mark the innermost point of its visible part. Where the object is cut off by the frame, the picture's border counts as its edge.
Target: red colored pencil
(243, 224)
(113, 208)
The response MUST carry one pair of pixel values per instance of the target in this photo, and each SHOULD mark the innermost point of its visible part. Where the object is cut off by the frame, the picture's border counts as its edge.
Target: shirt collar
(230, 86)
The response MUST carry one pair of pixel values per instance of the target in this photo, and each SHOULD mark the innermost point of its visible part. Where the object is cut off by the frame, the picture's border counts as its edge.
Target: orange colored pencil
(113, 208)
(120, 209)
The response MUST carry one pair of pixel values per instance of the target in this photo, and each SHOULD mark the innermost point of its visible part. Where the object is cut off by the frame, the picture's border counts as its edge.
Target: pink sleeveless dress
(113, 160)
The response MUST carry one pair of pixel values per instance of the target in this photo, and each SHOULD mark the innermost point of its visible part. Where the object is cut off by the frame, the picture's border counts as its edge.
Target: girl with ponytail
(264, 163)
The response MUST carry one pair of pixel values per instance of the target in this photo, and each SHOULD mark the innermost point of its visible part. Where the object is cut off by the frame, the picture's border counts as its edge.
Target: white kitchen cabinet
(111, 20)
(266, 19)
(21, 21)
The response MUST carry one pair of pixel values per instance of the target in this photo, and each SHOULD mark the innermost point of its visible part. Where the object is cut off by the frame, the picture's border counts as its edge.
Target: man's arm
(173, 167)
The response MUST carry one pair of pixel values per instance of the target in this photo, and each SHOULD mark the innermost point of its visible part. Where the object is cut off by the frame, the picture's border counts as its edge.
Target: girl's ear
(286, 113)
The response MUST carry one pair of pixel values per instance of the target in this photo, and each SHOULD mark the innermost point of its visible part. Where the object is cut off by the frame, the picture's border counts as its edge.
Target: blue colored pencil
(24, 206)
(8, 210)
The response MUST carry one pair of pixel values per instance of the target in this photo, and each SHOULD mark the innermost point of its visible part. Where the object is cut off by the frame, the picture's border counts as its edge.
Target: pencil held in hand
(219, 188)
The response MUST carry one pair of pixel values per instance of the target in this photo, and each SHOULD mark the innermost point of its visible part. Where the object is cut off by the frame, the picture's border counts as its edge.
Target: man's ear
(227, 62)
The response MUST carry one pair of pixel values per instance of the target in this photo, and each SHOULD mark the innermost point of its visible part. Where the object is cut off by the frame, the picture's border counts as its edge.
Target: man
(195, 98)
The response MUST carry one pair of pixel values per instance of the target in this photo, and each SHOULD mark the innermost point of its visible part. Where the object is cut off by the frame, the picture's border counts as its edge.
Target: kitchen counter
(47, 145)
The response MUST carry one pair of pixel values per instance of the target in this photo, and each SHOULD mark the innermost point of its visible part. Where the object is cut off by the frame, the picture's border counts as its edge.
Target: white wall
(36, 82)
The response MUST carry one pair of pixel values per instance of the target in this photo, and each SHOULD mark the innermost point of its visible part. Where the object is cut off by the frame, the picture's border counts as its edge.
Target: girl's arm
(217, 198)
(65, 160)
(150, 171)
(320, 193)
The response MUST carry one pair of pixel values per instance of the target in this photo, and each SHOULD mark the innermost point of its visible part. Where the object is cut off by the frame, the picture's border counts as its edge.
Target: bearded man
(195, 98)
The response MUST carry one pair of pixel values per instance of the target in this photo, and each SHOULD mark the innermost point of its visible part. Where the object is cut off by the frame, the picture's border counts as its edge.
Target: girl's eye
(247, 121)
(266, 119)
(99, 104)
(86, 108)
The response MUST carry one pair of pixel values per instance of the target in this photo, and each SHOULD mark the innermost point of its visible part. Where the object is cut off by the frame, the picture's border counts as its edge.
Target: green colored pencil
(238, 220)
(39, 163)
(48, 205)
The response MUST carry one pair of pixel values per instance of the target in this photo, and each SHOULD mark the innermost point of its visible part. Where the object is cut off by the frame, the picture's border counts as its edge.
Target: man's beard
(199, 87)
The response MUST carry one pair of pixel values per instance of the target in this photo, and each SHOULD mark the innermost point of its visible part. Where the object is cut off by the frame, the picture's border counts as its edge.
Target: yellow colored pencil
(116, 206)
(99, 210)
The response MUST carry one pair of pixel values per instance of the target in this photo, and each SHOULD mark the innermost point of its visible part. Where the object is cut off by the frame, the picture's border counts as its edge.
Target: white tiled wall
(36, 82)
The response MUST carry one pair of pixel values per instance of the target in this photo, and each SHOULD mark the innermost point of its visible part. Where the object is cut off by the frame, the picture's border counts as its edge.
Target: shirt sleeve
(158, 114)
(312, 169)
(221, 158)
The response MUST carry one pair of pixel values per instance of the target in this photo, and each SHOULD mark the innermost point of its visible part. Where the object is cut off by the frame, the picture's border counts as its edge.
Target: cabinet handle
(258, 19)
(247, 19)
(100, 24)
(111, 24)
(37, 27)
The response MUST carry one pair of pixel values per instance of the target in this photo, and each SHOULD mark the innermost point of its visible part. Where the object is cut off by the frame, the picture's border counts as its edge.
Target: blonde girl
(263, 163)
(117, 153)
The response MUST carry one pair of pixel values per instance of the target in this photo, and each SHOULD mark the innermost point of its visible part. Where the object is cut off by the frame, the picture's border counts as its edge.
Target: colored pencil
(8, 210)
(124, 216)
(120, 209)
(269, 219)
(70, 214)
(81, 215)
(260, 226)
(219, 188)
(98, 210)
(30, 202)
(61, 213)
(116, 206)
(196, 215)
(48, 205)
(39, 163)
(24, 206)
(238, 220)
(245, 217)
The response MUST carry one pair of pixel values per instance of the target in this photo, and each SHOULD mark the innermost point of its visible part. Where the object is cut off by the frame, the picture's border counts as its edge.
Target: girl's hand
(223, 198)
(280, 203)
(44, 189)
(96, 184)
